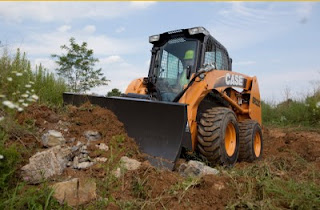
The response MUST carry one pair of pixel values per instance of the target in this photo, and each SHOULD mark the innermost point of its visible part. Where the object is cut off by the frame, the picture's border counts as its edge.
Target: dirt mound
(279, 143)
(72, 122)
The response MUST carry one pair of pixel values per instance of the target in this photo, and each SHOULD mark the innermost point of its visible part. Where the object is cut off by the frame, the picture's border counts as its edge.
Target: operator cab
(177, 54)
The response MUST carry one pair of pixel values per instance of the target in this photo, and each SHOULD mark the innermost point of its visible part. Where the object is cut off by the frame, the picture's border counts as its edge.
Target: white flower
(1, 157)
(25, 104)
(20, 109)
(32, 90)
(9, 104)
(25, 95)
(18, 74)
(27, 92)
(318, 104)
(30, 99)
(35, 97)
(14, 93)
(2, 96)
(21, 100)
(9, 79)
(1, 118)
(28, 86)
(31, 82)
(14, 72)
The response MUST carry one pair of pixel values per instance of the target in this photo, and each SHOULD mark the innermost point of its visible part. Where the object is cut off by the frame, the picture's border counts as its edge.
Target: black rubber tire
(211, 136)
(248, 130)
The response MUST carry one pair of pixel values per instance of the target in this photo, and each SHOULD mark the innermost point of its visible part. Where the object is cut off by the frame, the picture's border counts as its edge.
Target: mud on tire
(218, 136)
(251, 142)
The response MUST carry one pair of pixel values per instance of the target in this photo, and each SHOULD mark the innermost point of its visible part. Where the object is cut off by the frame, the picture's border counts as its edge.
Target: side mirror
(188, 72)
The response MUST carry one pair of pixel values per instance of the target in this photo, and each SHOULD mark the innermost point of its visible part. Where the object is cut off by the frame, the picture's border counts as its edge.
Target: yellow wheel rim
(230, 139)
(257, 144)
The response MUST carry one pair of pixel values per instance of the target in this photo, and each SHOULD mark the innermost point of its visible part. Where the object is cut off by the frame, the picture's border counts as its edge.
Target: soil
(150, 187)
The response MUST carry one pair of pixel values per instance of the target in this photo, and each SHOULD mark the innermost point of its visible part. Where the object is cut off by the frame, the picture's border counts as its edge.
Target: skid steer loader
(191, 98)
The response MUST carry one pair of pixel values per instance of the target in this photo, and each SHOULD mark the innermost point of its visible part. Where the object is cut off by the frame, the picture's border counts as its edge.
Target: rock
(196, 168)
(101, 159)
(84, 150)
(129, 163)
(117, 173)
(84, 165)
(52, 138)
(45, 164)
(75, 191)
(102, 146)
(92, 135)
(75, 162)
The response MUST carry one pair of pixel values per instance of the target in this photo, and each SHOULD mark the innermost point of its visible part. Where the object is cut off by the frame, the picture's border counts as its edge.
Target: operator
(188, 60)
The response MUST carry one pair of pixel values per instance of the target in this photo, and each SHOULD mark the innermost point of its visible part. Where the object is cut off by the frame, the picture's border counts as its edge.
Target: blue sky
(279, 42)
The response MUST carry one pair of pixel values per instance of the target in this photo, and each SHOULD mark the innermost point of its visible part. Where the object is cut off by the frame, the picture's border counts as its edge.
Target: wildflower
(27, 92)
(25, 104)
(1, 157)
(35, 97)
(32, 83)
(21, 100)
(9, 79)
(318, 104)
(25, 95)
(30, 99)
(20, 109)
(14, 93)
(18, 74)
(1, 118)
(2, 96)
(9, 104)
(14, 72)
(32, 90)
(28, 86)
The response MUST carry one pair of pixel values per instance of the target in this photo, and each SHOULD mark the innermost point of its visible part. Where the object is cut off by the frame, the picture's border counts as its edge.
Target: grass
(275, 184)
(298, 113)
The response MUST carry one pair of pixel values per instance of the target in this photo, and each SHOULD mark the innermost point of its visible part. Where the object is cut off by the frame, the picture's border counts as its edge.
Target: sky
(279, 42)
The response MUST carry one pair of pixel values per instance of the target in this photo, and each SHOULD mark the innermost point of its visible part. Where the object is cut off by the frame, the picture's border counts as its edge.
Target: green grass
(276, 184)
(298, 113)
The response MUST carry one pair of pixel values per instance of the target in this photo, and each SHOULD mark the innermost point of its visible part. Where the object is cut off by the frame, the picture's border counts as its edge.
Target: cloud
(120, 29)
(68, 11)
(111, 59)
(47, 63)
(243, 24)
(45, 44)
(120, 72)
(64, 28)
(89, 29)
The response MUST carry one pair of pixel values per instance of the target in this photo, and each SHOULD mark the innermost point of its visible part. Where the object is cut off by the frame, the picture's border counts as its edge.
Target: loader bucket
(157, 127)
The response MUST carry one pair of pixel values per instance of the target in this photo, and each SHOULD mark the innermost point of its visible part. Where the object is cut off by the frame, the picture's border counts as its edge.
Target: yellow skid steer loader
(191, 98)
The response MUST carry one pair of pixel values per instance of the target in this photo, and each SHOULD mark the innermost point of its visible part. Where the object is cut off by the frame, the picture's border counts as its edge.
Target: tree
(77, 67)
(114, 92)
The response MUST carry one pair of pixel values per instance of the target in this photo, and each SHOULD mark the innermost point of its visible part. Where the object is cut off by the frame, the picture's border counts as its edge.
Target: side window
(171, 67)
(210, 53)
(219, 61)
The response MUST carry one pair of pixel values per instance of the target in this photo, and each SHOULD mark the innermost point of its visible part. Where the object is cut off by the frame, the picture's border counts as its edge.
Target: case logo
(234, 80)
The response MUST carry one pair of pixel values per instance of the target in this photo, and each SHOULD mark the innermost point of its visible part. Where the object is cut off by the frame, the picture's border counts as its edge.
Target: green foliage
(77, 65)
(20, 86)
(10, 157)
(114, 92)
(48, 87)
(30, 197)
(299, 113)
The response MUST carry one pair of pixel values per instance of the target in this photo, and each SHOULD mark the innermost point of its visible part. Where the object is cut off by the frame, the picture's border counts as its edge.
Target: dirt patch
(286, 143)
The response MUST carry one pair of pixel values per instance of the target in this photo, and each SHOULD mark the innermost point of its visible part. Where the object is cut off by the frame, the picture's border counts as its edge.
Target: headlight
(154, 38)
(198, 30)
